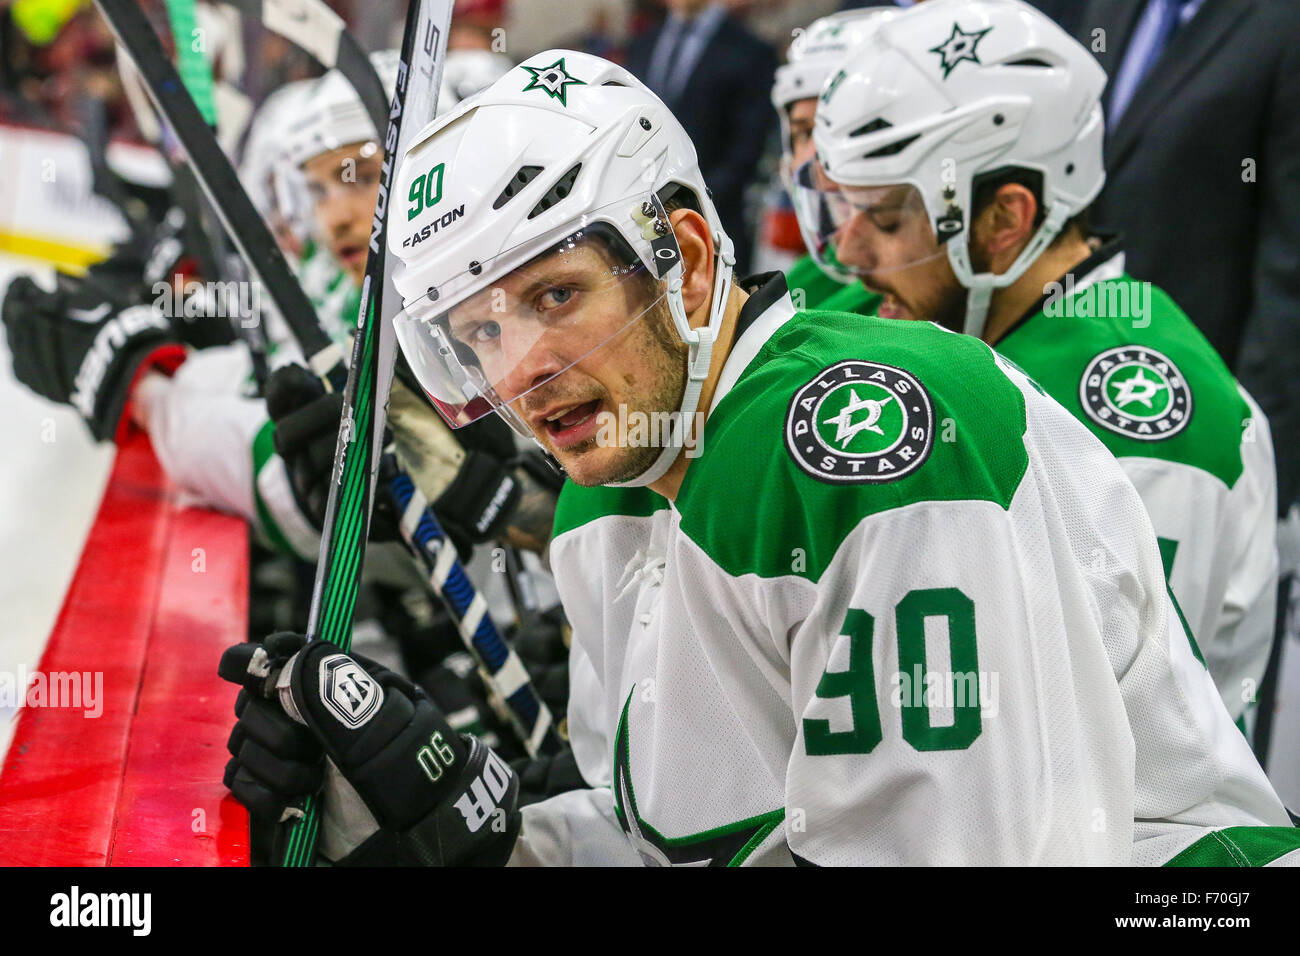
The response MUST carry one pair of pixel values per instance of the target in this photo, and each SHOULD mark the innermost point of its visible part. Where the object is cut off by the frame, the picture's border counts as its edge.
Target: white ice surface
(52, 476)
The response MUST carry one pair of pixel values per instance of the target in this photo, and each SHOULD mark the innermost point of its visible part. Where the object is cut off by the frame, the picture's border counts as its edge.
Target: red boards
(117, 758)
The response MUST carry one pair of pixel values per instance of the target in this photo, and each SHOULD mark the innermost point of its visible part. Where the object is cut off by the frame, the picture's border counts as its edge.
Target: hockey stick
(315, 28)
(337, 584)
(213, 248)
(505, 675)
(136, 36)
(351, 497)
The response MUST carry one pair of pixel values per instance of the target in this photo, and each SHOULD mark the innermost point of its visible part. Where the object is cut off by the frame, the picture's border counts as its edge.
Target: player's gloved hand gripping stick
(401, 787)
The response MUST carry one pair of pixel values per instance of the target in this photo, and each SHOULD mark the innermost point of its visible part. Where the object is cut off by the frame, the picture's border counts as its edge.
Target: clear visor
(814, 226)
(509, 329)
(866, 231)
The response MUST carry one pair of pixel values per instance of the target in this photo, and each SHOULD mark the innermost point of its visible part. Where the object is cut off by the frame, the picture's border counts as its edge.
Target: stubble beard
(947, 302)
(657, 339)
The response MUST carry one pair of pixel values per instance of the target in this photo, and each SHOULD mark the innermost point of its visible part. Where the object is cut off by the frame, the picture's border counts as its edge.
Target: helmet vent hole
(875, 126)
(1031, 62)
(559, 191)
(999, 119)
(522, 178)
(893, 149)
(1069, 169)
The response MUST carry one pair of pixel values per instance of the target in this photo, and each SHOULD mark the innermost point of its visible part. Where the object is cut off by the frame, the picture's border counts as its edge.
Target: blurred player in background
(814, 53)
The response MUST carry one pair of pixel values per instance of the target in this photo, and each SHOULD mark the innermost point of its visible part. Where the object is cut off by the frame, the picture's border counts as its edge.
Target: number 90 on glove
(398, 785)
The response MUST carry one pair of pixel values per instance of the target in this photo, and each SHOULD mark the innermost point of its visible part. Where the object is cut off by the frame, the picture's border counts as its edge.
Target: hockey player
(843, 637)
(816, 281)
(980, 123)
(92, 344)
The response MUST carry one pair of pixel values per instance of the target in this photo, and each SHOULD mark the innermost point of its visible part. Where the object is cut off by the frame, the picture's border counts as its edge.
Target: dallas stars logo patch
(860, 422)
(1136, 391)
(555, 80)
(958, 47)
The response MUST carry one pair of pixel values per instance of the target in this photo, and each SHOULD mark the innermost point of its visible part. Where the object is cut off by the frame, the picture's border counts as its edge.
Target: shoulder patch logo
(352, 695)
(959, 46)
(860, 422)
(554, 80)
(1136, 391)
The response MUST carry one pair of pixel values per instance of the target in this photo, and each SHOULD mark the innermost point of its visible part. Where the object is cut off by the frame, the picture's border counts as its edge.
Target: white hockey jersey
(215, 440)
(1127, 362)
(904, 610)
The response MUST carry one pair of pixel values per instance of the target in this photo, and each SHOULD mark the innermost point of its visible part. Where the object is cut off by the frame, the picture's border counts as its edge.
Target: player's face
(535, 344)
(888, 240)
(801, 117)
(343, 185)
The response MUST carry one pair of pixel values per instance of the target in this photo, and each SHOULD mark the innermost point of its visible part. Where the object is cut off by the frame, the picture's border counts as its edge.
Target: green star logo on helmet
(860, 422)
(1136, 391)
(554, 80)
(959, 47)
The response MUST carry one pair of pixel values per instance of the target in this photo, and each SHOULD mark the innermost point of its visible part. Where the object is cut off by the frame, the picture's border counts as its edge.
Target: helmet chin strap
(698, 358)
(982, 284)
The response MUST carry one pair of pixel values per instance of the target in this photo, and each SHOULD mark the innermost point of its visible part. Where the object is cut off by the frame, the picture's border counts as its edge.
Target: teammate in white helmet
(755, 673)
(275, 193)
(814, 54)
(209, 429)
(965, 139)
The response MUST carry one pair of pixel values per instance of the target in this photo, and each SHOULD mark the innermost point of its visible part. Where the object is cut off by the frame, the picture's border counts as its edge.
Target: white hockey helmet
(332, 114)
(814, 54)
(269, 182)
(466, 72)
(955, 89)
(563, 147)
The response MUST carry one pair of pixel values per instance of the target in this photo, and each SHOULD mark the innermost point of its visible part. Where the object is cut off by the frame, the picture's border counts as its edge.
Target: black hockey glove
(473, 507)
(401, 787)
(306, 433)
(274, 761)
(543, 646)
(545, 775)
(85, 344)
(481, 499)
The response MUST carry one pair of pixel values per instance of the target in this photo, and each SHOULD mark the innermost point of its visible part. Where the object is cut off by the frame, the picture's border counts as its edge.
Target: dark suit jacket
(1067, 13)
(1204, 180)
(725, 108)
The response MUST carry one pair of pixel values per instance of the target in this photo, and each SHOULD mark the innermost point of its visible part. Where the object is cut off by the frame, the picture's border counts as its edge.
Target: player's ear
(696, 243)
(1006, 225)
